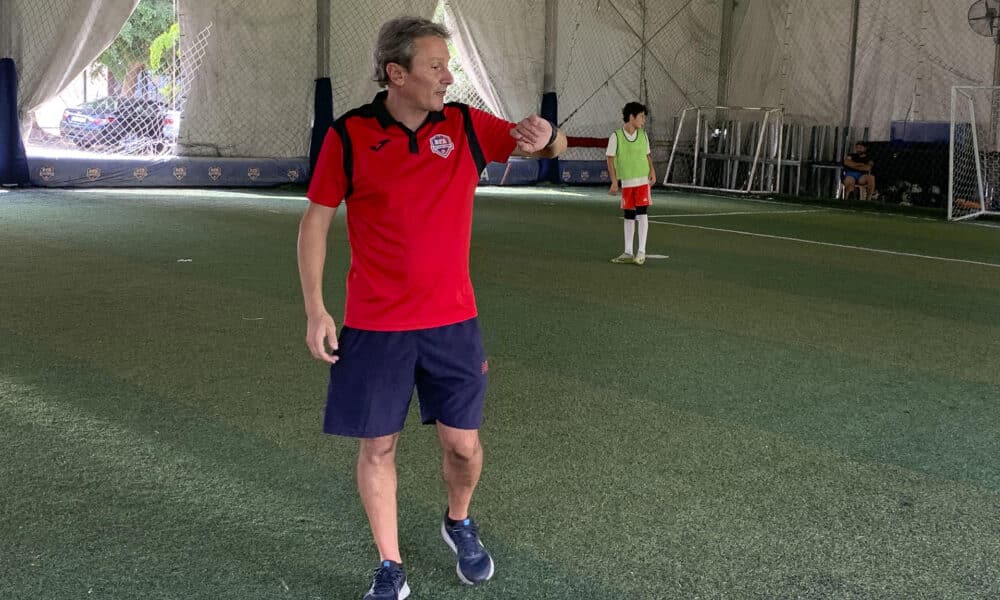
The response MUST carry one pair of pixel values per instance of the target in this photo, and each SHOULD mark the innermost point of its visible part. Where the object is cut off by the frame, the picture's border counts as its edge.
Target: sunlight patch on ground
(500, 191)
(188, 193)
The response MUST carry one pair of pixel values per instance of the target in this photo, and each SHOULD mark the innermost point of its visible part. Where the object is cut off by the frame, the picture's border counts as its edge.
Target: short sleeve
(493, 134)
(612, 145)
(328, 183)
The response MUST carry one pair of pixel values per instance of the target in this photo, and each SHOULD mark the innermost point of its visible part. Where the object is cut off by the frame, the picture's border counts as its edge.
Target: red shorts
(635, 196)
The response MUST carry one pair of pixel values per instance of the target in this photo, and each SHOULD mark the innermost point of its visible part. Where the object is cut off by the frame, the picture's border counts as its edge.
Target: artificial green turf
(750, 418)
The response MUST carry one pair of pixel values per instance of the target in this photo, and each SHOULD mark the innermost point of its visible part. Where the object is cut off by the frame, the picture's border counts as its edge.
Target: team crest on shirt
(442, 145)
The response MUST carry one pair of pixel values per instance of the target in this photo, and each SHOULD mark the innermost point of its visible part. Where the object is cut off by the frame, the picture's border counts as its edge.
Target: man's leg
(869, 182)
(849, 183)
(463, 463)
(377, 487)
(451, 384)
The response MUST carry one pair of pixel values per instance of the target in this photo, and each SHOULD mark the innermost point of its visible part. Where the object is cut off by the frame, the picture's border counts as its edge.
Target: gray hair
(397, 43)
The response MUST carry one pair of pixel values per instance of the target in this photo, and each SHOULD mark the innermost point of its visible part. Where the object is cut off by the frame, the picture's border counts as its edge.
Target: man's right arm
(321, 331)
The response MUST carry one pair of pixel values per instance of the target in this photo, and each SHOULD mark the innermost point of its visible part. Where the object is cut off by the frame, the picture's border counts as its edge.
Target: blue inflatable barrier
(13, 162)
(102, 171)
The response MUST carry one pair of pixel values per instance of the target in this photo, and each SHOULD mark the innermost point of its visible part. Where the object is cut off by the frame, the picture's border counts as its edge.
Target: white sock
(629, 233)
(643, 231)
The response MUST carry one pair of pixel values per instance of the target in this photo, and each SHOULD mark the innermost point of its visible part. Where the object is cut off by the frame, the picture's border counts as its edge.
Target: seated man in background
(858, 171)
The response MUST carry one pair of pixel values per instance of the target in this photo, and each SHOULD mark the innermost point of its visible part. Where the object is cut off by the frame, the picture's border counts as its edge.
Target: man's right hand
(614, 188)
(321, 334)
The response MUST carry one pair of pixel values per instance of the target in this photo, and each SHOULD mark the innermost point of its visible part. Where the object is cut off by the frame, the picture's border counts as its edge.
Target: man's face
(423, 86)
(859, 148)
(638, 121)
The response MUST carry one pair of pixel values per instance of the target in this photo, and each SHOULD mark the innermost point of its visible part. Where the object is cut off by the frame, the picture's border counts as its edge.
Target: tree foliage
(130, 52)
(163, 45)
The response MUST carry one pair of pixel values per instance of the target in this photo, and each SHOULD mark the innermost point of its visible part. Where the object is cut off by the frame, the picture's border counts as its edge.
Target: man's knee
(462, 449)
(378, 451)
(629, 214)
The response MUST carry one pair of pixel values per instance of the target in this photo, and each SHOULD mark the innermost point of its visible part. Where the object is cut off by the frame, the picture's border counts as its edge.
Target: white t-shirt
(613, 150)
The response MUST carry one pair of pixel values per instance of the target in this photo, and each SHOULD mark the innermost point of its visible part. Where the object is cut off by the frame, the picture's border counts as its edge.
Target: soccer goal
(974, 152)
(734, 149)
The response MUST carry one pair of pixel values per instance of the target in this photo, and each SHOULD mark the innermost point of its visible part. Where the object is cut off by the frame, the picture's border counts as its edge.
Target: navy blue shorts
(372, 384)
(857, 175)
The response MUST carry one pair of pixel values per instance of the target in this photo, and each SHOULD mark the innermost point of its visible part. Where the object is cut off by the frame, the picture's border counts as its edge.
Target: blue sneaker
(475, 565)
(388, 582)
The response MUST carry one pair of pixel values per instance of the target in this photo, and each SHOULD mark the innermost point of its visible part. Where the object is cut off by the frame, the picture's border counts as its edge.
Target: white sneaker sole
(404, 592)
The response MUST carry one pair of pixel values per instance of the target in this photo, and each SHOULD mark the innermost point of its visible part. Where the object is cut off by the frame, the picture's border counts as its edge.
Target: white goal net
(974, 151)
(726, 148)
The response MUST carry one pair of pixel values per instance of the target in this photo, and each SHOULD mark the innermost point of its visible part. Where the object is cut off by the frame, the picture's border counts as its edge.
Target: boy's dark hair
(633, 108)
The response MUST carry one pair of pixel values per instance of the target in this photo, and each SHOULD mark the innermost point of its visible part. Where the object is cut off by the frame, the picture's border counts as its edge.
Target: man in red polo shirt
(407, 166)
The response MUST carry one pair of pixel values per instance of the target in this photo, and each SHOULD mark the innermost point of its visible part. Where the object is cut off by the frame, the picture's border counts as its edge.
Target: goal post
(974, 152)
(735, 149)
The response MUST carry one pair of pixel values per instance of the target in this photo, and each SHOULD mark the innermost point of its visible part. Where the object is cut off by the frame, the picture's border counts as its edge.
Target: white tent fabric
(910, 53)
(504, 63)
(782, 57)
(795, 54)
(663, 54)
(52, 42)
(253, 93)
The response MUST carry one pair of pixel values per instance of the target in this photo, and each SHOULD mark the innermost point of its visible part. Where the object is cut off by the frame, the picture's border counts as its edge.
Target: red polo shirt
(409, 211)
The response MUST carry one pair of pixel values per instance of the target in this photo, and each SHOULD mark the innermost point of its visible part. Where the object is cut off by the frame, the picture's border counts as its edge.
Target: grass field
(800, 402)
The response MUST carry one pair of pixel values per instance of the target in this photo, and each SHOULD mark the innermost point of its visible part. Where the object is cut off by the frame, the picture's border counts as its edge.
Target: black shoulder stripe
(348, 156)
(470, 134)
(340, 126)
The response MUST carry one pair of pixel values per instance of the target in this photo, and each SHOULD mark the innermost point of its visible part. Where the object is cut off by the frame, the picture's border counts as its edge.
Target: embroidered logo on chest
(442, 145)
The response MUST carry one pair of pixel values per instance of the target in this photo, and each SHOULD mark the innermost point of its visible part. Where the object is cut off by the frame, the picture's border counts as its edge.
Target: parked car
(113, 120)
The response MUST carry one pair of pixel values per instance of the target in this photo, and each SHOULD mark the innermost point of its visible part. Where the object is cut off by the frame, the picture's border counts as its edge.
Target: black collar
(386, 120)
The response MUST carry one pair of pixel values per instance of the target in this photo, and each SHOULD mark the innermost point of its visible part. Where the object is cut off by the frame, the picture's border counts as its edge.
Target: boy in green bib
(629, 161)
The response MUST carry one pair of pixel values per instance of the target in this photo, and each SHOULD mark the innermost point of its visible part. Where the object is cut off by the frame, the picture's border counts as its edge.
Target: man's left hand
(532, 134)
